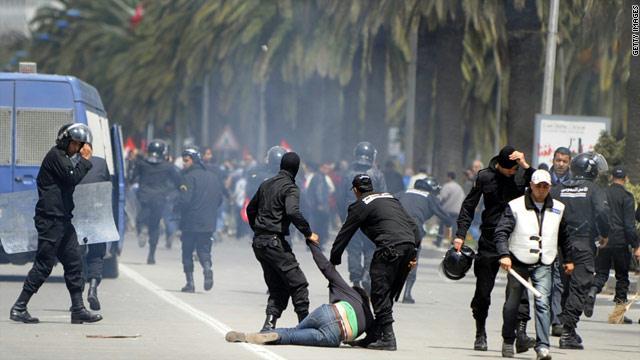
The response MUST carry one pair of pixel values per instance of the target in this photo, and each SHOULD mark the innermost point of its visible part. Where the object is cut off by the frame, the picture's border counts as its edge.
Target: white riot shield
(92, 217)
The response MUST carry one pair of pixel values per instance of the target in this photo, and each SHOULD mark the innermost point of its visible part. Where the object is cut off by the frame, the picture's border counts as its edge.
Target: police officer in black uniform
(360, 250)
(272, 209)
(384, 221)
(61, 170)
(201, 194)
(421, 203)
(157, 178)
(262, 172)
(587, 217)
(505, 179)
(95, 252)
(622, 235)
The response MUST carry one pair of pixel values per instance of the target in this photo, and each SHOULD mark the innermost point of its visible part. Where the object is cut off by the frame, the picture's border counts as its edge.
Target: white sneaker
(543, 354)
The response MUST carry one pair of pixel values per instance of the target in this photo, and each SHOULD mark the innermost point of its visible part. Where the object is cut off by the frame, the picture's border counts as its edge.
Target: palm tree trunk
(448, 132)
(375, 130)
(426, 68)
(525, 78)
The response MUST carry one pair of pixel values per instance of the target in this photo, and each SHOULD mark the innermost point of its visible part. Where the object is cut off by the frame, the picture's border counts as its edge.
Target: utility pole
(550, 62)
(411, 98)
(205, 140)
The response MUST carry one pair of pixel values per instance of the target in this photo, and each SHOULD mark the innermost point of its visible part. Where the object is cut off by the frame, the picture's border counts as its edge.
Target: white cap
(541, 176)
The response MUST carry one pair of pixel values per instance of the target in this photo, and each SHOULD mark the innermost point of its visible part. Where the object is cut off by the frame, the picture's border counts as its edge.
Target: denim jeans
(541, 278)
(319, 328)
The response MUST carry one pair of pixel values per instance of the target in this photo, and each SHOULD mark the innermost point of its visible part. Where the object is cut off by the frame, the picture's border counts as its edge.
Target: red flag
(137, 16)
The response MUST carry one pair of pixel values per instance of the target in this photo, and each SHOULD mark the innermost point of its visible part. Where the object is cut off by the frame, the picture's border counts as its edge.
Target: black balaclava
(290, 162)
(503, 157)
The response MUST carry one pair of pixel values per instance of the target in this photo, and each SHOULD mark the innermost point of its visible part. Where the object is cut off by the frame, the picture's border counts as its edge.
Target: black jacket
(201, 194)
(382, 218)
(275, 206)
(345, 195)
(57, 179)
(496, 190)
(339, 290)
(421, 205)
(157, 180)
(586, 212)
(623, 225)
(99, 171)
(508, 223)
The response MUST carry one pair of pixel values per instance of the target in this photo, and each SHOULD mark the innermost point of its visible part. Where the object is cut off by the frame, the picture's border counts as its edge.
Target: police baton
(525, 283)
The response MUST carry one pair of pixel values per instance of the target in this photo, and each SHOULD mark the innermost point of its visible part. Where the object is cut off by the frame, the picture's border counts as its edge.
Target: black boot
(590, 302)
(302, 315)
(523, 342)
(387, 341)
(407, 298)
(372, 335)
(269, 323)
(208, 276)
(569, 339)
(19, 311)
(480, 344)
(507, 349)
(151, 258)
(556, 330)
(79, 314)
(189, 287)
(92, 295)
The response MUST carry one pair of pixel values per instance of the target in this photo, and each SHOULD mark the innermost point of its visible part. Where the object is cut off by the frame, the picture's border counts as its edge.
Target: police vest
(532, 242)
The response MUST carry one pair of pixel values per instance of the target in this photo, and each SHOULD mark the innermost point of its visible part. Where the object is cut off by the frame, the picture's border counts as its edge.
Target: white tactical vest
(530, 244)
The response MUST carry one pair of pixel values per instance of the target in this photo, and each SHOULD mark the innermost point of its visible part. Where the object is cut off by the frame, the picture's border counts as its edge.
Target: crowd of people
(556, 227)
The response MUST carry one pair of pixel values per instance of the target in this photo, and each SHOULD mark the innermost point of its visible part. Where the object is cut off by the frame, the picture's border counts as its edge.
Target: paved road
(145, 303)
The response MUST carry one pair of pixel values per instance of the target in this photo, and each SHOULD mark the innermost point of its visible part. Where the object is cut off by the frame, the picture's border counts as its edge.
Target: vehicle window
(36, 131)
(6, 133)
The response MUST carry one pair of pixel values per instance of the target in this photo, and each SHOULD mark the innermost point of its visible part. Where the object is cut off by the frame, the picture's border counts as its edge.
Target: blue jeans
(319, 328)
(541, 278)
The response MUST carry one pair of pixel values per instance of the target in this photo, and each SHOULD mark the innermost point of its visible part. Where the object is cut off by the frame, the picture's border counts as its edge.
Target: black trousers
(486, 267)
(359, 255)
(57, 239)
(387, 267)
(576, 286)
(95, 260)
(282, 274)
(201, 243)
(620, 258)
(151, 213)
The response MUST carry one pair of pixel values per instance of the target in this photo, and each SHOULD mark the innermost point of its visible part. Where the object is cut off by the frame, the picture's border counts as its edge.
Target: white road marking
(214, 323)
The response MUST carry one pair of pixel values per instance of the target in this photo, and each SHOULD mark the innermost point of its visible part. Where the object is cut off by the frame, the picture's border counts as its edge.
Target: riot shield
(92, 217)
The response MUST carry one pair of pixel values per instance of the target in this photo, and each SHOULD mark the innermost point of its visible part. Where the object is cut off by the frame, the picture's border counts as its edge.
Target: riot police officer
(505, 179)
(95, 252)
(201, 194)
(421, 203)
(587, 217)
(360, 249)
(61, 170)
(262, 172)
(157, 178)
(384, 221)
(272, 209)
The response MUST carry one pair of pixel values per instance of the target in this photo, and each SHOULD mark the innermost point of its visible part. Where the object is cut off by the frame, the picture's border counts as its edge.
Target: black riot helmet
(365, 153)
(194, 154)
(77, 132)
(588, 165)
(428, 184)
(274, 157)
(456, 264)
(157, 151)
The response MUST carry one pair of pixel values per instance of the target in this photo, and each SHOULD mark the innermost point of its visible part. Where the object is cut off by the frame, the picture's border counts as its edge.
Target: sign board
(226, 140)
(578, 133)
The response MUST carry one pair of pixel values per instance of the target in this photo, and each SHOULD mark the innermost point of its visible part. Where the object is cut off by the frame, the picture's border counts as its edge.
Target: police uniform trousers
(282, 274)
(57, 239)
(359, 255)
(556, 289)
(95, 260)
(485, 267)
(151, 213)
(388, 269)
(200, 242)
(620, 258)
(576, 286)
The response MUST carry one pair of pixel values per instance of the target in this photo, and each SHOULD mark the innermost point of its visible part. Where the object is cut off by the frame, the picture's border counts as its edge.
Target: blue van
(32, 109)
